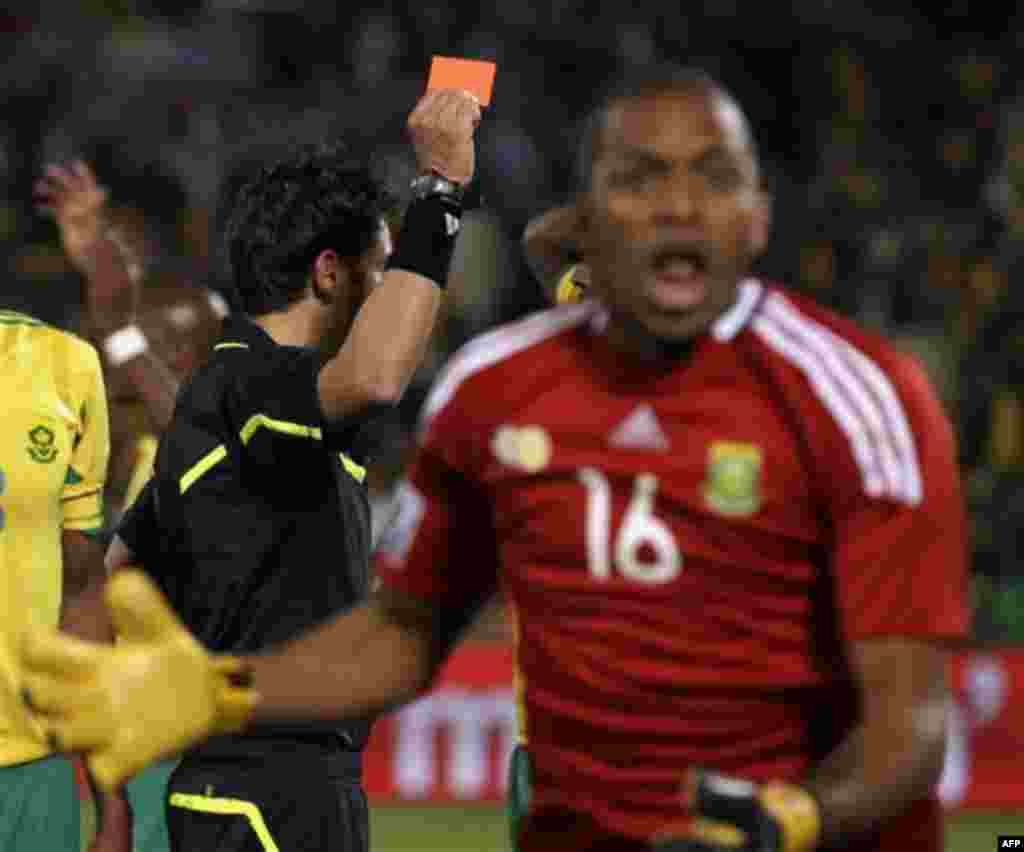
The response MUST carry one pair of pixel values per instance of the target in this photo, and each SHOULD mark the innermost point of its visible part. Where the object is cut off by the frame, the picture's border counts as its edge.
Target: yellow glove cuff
(797, 813)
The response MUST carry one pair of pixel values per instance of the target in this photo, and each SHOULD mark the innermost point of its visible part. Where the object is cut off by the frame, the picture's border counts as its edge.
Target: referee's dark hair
(287, 212)
(639, 82)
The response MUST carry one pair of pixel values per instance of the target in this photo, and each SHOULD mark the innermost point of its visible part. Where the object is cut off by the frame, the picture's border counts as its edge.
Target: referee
(256, 524)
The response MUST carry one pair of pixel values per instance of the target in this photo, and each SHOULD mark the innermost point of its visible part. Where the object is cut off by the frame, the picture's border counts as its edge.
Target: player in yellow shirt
(54, 447)
(180, 324)
(113, 276)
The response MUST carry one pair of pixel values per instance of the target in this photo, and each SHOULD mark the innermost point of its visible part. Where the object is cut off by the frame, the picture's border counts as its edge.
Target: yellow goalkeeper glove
(742, 816)
(151, 695)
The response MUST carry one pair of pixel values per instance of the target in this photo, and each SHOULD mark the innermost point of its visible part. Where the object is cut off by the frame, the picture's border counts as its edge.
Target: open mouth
(679, 278)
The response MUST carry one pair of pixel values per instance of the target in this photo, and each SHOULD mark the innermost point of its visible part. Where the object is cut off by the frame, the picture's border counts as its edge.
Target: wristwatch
(434, 184)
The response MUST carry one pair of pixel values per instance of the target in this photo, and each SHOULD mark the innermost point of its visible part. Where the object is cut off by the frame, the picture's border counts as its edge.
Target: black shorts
(272, 795)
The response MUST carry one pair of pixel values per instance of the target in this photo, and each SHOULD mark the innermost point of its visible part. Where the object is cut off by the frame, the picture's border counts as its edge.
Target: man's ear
(581, 206)
(330, 276)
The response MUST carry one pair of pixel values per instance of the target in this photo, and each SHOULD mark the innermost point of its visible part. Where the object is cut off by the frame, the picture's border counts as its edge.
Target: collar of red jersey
(723, 329)
(731, 323)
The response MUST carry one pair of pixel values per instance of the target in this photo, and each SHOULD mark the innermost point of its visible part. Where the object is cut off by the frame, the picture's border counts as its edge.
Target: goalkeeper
(728, 524)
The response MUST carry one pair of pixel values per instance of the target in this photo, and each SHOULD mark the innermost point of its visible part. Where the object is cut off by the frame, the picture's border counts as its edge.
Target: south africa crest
(42, 445)
(732, 485)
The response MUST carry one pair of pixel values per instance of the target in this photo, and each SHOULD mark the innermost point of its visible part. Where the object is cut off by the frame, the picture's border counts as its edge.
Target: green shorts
(147, 793)
(40, 806)
(518, 803)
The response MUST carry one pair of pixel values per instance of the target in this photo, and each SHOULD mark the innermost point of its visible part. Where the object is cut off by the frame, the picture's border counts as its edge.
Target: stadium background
(893, 141)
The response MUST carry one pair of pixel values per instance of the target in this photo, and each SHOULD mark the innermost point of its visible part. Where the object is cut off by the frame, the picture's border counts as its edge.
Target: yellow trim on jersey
(356, 471)
(82, 512)
(80, 496)
(286, 427)
(298, 430)
(89, 523)
(228, 807)
(230, 345)
(252, 425)
(204, 464)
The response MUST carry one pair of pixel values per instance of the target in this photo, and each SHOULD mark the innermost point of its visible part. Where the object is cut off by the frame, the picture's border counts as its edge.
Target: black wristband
(427, 239)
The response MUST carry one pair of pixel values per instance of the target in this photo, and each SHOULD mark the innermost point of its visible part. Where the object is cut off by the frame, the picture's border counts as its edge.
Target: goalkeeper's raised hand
(151, 695)
(736, 814)
(76, 201)
(78, 204)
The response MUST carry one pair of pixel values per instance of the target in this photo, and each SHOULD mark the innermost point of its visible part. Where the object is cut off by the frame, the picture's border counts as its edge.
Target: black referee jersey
(256, 524)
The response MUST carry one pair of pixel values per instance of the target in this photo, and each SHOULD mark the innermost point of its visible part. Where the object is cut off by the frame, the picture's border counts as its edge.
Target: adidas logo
(640, 431)
(451, 224)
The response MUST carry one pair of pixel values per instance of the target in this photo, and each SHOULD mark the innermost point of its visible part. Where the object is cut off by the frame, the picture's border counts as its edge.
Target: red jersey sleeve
(899, 560)
(441, 546)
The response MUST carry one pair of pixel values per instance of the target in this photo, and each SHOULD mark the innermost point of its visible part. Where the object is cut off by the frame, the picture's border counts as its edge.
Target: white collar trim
(731, 323)
(723, 329)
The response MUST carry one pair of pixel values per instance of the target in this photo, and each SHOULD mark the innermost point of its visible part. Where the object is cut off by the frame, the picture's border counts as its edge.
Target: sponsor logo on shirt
(733, 483)
(640, 431)
(42, 447)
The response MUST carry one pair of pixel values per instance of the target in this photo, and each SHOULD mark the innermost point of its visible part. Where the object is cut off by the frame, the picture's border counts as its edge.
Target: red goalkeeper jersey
(687, 552)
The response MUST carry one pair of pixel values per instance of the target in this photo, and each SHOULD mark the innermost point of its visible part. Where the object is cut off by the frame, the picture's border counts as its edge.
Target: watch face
(435, 185)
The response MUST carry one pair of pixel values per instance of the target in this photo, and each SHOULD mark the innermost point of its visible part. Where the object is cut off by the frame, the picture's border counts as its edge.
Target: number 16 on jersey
(639, 527)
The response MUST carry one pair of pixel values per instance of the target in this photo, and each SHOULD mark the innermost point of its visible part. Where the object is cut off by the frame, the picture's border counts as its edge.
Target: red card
(473, 75)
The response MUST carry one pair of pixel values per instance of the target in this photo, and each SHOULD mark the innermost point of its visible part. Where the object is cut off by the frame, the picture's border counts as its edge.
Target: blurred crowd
(892, 141)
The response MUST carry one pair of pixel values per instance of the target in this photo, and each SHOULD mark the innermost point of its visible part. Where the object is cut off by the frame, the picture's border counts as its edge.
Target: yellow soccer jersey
(54, 447)
(144, 456)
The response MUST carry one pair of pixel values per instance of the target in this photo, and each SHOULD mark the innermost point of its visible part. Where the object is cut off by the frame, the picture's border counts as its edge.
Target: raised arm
(113, 278)
(395, 642)
(392, 328)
